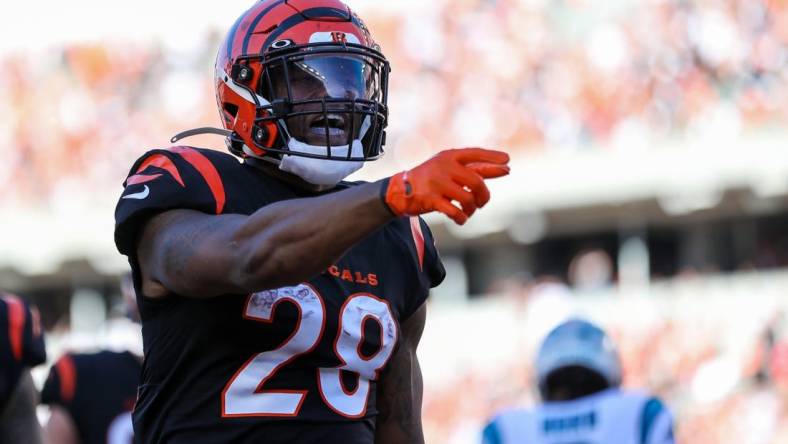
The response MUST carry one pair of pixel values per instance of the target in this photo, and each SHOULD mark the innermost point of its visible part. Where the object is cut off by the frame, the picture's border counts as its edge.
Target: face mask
(321, 171)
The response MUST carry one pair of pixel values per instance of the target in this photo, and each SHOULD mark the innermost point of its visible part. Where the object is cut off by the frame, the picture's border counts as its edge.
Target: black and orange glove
(452, 175)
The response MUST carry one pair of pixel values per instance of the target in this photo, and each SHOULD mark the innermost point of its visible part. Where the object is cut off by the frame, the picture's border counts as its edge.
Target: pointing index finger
(471, 155)
(488, 170)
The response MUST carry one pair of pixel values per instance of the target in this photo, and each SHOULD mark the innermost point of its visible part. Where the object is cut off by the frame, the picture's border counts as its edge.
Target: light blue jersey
(608, 417)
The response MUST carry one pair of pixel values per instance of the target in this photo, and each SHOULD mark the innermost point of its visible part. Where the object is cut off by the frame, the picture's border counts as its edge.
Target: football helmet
(301, 78)
(580, 343)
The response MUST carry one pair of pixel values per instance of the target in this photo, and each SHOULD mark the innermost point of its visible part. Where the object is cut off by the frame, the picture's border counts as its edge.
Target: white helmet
(577, 342)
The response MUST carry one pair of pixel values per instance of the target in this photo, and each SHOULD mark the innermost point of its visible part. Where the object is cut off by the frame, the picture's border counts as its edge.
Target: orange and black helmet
(304, 69)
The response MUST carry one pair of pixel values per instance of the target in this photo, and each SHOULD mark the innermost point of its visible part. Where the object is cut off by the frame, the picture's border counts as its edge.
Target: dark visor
(322, 76)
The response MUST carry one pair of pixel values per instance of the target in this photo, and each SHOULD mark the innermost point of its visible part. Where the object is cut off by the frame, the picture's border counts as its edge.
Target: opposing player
(280, 304)
(21, 348)
(579, 377)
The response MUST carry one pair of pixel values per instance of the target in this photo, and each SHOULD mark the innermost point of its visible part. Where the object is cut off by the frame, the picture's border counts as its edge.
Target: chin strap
(198, 131)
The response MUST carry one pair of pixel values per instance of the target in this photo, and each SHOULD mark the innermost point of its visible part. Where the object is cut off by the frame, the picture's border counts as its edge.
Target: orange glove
(452, 175)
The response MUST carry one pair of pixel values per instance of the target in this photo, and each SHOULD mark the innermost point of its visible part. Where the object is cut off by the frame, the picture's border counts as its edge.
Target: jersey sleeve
(491, 433)
(430, 271)
(24, 335)
(34, 346)
(61, 384)
(433, 265)
(161, 180)
(656, 423)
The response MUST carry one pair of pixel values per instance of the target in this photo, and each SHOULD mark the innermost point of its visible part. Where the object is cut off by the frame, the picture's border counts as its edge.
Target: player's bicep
(189, 253)
(400, 388)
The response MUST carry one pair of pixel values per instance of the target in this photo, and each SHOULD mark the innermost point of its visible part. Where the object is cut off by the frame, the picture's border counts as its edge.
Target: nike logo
(139, 196)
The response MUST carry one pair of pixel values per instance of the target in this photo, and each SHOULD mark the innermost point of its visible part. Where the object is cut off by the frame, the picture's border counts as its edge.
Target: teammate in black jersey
(21, 348)
(91, 397)
(278, 303)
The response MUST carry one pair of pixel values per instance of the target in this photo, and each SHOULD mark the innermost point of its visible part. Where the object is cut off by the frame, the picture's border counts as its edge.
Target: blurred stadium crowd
(715, 351)
(531, 76)
(526, 75)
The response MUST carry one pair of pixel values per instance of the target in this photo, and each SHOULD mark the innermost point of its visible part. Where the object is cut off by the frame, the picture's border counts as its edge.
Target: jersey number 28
(245, 395)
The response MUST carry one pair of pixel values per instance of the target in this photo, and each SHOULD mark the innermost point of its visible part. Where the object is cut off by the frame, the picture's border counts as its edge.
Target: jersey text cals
(356, 277)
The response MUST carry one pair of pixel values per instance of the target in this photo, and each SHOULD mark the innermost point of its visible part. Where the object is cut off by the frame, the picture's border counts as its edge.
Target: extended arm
(285, 243)
(400, 389)
(288, 242)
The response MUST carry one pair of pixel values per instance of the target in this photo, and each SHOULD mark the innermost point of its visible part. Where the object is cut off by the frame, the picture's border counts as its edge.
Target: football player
(21, 348)
(579, 376)
(91, 396)
(279, 303)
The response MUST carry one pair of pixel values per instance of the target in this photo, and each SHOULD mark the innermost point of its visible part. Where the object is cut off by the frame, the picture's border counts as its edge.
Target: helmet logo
(334, 36)
(279, 44)
(339, 37)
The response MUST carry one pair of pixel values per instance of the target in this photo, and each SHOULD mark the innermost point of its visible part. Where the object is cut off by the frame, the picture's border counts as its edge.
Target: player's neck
(273, 170)
(568, 393)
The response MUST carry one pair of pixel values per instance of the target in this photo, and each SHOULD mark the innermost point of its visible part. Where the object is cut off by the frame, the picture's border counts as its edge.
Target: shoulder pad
(25, 337)
(166, 179)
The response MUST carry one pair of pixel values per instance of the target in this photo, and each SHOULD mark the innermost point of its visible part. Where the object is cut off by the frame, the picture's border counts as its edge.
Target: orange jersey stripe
(207, 171)
(16, 324)
(68, 378)
(141, 178)
(418, 239)
(163, 162)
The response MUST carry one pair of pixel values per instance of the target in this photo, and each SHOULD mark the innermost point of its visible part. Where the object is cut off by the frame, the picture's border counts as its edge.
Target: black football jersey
(21, 342)
(98, 390)
(294, 364)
